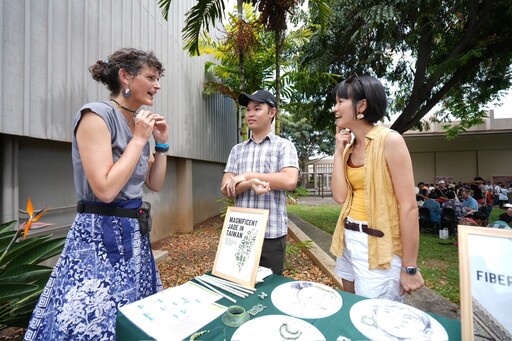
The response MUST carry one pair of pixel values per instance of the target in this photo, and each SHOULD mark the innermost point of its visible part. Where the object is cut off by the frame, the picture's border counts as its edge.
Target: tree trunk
(278, 37)
(241, 124)
(304, 177)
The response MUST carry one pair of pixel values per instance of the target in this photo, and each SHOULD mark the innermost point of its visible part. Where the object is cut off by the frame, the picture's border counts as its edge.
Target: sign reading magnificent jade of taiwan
(241, 240)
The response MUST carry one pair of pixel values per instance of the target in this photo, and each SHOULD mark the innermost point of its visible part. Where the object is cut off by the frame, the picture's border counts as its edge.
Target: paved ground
(424, 299)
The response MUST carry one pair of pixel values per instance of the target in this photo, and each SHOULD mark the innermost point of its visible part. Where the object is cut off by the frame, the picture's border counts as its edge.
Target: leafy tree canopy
(456, 54)
(273, 14)
(308, 142)
(249, 37)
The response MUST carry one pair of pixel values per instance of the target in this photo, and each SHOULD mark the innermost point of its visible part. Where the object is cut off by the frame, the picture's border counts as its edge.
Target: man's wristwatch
(411, 270)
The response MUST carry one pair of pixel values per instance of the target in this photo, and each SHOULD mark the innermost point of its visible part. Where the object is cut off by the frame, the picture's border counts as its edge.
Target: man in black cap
(259, 171)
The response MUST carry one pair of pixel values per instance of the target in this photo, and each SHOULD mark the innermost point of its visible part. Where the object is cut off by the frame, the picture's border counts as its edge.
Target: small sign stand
(240, 244)
(485, 279)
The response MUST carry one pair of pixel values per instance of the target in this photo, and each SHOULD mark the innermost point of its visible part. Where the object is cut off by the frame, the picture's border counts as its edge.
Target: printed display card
(241, 240)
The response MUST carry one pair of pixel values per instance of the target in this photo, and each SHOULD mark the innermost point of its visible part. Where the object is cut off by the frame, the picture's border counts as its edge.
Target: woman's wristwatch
(411, 270)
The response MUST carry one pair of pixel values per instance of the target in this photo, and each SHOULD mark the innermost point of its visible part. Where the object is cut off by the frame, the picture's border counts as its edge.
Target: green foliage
(298, 247)
(307, 141)
(300, 192)
(227, 203)
(295, 248)
(457, 56)
(198, 18)
(257, 45)
(256, 49)
(22, 279)
(293, 196)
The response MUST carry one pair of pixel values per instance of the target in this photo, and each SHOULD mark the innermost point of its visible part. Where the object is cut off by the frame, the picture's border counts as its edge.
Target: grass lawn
(438, 259)
(324, 217)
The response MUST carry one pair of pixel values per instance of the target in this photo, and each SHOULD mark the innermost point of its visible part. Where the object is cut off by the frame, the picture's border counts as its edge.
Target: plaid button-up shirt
(270, 156)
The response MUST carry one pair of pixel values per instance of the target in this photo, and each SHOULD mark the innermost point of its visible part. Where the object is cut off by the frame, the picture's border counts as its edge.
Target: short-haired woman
(107, 260)
(377, 234)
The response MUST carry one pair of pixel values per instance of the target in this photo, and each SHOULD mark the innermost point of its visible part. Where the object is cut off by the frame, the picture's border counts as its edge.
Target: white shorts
(353, 266)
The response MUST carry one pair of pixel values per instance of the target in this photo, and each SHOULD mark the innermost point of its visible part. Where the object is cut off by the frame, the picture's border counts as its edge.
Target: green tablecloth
(332, 327)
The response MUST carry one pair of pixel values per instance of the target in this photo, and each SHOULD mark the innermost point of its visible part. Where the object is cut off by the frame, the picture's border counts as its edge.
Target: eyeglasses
(351, 79)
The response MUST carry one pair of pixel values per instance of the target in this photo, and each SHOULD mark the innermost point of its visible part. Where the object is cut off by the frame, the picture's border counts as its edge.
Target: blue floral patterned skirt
(88, 286)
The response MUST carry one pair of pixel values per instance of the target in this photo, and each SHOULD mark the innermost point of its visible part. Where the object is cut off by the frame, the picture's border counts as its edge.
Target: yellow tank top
(380, 200)
(355, 176)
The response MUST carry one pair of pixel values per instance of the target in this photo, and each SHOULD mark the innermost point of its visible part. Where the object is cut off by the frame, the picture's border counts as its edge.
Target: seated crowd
(471, 202)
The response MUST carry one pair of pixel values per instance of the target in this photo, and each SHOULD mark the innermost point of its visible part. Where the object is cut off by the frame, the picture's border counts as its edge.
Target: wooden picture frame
(240, 244)
(485, 279)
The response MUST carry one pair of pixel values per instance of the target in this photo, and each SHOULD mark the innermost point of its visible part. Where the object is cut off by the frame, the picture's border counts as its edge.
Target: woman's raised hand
(343, 138)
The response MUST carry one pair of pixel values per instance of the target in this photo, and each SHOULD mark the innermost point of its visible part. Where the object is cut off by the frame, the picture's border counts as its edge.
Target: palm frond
(324, 12)
(198, 18)
(165, 5)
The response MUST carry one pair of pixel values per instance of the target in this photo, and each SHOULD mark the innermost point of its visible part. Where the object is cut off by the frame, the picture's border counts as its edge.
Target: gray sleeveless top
(120, 136)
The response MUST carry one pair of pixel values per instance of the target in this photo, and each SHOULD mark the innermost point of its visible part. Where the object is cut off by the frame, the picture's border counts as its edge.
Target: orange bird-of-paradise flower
(32, 217)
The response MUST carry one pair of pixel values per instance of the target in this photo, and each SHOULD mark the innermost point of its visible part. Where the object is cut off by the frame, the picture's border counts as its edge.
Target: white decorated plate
(308, 300)
(379, 319)
(277, 327)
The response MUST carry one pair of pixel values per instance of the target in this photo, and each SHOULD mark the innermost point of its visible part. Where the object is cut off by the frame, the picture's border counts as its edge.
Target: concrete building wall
(207, 178)
(496, 162)
(485, 150)
(484, 153)
(47, 47)
(45, 175)
(422, 163)
(457, 165)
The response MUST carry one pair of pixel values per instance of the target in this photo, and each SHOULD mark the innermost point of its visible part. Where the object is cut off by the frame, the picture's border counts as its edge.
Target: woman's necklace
(133, 112)
(130, 123)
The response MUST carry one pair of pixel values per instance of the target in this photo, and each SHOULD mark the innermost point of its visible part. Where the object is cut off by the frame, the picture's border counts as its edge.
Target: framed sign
(241, 240)
(485, 279)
